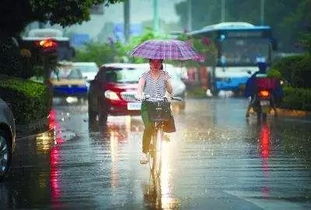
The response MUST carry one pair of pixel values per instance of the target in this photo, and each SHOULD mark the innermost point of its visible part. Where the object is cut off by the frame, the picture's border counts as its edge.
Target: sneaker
(144, 159)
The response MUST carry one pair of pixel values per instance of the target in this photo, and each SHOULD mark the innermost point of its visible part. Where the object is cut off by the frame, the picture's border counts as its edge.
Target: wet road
(216, 160)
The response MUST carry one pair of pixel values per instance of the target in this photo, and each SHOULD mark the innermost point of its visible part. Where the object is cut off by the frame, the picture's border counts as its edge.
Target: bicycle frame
(155, 148)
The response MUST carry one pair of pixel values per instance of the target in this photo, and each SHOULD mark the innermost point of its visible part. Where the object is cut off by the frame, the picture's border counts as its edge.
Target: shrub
(14, 61)
(296, 98)
(274, 74)
(296, 70)
(29, 100)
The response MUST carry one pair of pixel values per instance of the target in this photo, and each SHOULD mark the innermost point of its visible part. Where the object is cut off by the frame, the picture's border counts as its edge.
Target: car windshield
(120, 75)
(70, 74)
(85, 68)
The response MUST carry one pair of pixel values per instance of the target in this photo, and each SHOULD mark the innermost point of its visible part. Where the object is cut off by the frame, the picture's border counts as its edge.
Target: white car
(179, 88)
(88, 69)
(7, 138)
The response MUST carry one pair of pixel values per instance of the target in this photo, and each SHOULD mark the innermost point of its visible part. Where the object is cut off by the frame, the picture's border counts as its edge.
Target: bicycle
(159, 111)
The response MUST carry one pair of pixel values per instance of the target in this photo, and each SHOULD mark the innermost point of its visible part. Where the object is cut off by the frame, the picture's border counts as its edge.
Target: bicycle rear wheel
(155, 152)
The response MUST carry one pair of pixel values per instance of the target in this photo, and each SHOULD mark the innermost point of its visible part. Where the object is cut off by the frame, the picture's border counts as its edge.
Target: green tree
(17, 14)
(297, 25)
(115, 51)
(203, 13)
(289, 19)
(99, 53)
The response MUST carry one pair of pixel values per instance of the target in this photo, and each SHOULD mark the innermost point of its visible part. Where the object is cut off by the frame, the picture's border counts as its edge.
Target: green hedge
(29, 100)
(296, 98)
(296, 70)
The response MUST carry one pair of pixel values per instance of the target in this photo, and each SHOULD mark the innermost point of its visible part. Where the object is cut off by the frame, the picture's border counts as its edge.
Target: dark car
(7, 138)
(112, 92)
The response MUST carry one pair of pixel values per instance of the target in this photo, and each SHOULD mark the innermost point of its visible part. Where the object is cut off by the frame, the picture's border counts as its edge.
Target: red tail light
(264, 93)
(47, 45)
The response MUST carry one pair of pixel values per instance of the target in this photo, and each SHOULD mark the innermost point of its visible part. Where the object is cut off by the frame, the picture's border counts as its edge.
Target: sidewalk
(32, 129)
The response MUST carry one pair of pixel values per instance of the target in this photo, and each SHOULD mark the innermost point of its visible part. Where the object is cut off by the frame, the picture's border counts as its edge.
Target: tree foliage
(115, 51)
(289, 19)
(17, 14)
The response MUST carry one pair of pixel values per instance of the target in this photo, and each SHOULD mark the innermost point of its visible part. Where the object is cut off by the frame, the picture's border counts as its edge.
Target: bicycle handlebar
(155, 99)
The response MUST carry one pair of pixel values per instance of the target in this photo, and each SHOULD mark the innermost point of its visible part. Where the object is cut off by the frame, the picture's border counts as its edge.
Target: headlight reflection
(158, 193)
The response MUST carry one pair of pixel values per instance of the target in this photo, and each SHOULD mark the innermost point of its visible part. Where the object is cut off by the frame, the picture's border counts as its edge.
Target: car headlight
(111, 95)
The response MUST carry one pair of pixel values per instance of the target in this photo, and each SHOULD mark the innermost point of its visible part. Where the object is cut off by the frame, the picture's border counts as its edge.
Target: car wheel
(92, 116)
(5, 153)
(92, 113)
(103, 118)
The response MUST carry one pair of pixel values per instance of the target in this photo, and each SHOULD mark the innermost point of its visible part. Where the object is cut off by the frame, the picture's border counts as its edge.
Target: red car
(112, 92)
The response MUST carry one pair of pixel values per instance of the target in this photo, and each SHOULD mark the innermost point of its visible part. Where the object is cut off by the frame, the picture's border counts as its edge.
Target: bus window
(239, 46)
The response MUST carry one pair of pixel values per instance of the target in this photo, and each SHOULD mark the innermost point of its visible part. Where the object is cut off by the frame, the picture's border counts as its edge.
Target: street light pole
(155, 16)
(262, 12)
(223, 10)
(126, 20)
(189, 27)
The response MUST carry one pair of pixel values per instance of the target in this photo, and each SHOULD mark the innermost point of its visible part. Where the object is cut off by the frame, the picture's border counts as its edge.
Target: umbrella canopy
(166, 49)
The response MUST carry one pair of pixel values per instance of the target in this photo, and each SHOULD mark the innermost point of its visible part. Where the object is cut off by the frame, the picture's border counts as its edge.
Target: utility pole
(155, 16)
(189, 25)
(126, 27)
(223, 10)
(262, 12)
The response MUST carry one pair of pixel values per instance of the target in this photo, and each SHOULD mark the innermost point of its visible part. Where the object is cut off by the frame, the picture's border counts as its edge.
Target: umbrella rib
(182, 54)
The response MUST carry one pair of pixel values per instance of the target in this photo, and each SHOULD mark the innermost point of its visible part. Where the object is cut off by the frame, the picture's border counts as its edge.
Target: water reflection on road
(216, 160)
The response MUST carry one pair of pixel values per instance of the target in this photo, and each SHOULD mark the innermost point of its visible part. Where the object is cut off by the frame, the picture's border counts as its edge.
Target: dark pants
(149, 127)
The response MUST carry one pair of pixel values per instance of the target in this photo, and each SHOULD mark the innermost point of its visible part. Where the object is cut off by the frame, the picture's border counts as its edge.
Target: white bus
(240, 46)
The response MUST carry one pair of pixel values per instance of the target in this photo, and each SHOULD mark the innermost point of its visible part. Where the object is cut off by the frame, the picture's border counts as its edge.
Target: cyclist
(154, 83)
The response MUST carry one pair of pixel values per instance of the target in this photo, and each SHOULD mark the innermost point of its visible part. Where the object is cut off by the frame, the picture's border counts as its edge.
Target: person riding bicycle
(154, 83)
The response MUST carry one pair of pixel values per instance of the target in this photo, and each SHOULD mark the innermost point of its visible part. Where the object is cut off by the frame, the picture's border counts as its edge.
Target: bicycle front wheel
(155, 152)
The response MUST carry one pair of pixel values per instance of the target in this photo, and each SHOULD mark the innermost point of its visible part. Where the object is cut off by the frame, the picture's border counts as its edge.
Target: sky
(141, 10)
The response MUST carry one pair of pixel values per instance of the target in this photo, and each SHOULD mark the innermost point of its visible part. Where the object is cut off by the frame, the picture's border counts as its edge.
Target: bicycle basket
(159, 111)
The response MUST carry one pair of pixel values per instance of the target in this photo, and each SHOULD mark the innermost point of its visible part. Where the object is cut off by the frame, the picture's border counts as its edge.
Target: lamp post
(126, 20)
(155, 16)
(262, 12)
(223, 10)
(189, 25)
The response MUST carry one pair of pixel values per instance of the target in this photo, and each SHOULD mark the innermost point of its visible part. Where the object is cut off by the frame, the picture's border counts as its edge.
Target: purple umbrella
(166, 49)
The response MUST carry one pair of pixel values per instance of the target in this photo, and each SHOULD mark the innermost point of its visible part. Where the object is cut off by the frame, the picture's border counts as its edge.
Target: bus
(240, 46)
(51, 38)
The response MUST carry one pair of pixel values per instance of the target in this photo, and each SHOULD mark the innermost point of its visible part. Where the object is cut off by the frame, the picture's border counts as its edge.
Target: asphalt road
(216, 160)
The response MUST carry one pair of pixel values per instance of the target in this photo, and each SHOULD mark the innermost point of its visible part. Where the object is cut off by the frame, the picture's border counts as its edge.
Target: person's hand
(138, 97)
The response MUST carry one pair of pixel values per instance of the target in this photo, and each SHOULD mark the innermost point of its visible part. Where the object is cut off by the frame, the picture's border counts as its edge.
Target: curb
(31, 136)
(293, 113)
(39, 126)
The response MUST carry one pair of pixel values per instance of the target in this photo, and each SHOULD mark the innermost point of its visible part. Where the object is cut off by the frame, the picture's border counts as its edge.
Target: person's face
(155, 64)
